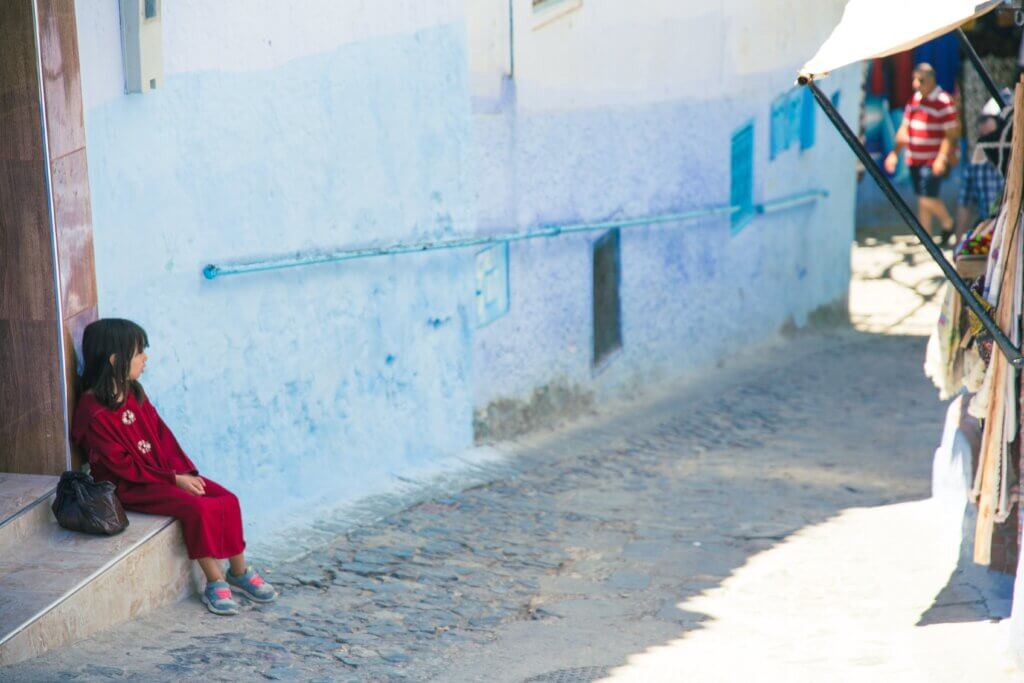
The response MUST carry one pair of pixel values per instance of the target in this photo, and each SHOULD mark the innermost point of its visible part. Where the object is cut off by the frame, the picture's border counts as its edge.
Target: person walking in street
(929, 133)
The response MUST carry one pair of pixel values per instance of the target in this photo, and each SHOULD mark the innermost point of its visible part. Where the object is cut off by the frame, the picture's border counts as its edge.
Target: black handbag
(89, 506)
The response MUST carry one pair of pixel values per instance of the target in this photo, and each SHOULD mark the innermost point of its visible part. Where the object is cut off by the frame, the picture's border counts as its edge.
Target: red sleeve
(120, 461)
(167, 440)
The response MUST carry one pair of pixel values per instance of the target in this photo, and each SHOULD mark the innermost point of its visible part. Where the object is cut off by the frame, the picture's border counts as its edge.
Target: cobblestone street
(768, 519)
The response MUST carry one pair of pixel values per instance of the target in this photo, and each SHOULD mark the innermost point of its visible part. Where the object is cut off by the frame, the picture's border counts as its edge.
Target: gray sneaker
(251, 585)
(217, 598)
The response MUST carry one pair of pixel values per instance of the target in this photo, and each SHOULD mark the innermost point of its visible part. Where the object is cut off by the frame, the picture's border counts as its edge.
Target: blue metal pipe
(213, 271)
(790, 202)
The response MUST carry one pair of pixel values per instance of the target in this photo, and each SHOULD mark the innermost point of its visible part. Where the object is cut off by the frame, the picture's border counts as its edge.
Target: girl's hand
(194, 485)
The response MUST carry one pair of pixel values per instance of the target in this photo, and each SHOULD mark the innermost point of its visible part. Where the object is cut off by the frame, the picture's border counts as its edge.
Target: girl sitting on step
(127, 443)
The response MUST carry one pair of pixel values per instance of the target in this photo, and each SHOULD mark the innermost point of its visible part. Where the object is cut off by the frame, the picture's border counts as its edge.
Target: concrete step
(59, 586)
(18, 492)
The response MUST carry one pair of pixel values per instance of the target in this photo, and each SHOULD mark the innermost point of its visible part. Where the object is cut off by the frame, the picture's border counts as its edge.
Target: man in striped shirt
(929, 132)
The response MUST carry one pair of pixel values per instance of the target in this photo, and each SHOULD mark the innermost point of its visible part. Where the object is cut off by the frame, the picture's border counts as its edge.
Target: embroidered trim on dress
(144, 446)
(128, 417)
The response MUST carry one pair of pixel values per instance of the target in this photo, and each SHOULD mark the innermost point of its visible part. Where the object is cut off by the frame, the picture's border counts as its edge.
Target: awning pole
(1005, 345)
(979, 67)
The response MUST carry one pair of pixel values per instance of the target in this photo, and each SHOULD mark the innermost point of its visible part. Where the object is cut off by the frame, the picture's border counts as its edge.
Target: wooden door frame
(44, 183)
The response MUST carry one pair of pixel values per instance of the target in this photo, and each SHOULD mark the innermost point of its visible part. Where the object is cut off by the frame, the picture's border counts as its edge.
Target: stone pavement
(896, 286)
(768, 519)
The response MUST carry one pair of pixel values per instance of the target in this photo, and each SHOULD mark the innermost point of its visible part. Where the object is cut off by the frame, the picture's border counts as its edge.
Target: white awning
(876, 28)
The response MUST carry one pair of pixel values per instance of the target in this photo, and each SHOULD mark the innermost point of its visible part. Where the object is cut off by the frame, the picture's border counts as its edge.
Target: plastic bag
(92, 507)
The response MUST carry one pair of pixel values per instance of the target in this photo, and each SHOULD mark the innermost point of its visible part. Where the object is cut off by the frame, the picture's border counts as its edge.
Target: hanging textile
(943, 53)
(996, 480)
(953, 359)
(943, 361)
(902, 79)
(878, 83)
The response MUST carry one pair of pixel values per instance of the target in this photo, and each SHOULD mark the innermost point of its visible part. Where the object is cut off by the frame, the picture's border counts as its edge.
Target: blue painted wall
(306, 388)
(692, 293)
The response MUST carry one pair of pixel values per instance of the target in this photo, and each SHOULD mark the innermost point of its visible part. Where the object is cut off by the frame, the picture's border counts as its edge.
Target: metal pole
(979, 67)
(1005, 345)
(511, 41)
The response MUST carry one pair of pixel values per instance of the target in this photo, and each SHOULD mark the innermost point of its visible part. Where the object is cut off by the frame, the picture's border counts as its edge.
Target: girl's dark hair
(102, 339)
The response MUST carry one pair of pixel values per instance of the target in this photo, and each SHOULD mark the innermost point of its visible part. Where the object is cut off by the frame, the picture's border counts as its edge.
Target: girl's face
(138, 365)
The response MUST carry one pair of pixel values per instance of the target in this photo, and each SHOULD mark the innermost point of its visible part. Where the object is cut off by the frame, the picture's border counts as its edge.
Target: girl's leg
(237, 563)
(212, 568)
(229, 541)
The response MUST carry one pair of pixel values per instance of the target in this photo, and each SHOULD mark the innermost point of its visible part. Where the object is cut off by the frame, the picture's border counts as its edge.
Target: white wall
(641, 52)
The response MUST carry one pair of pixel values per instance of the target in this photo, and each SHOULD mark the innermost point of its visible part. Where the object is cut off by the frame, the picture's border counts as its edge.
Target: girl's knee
(229, 499)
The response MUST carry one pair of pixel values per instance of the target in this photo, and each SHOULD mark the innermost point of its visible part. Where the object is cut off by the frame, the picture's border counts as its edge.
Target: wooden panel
(58, 41)
(26, 255)
(69, 182)
(15, 119)
(32, 431)
(73, 217)
(33, 434)
(20, 133)
(58, 47)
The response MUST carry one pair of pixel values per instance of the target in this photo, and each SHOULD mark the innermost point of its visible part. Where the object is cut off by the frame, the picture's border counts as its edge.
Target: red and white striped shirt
(928, 120)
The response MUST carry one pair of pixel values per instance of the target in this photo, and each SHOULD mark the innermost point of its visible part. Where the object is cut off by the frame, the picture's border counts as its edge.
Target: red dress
(132, 447)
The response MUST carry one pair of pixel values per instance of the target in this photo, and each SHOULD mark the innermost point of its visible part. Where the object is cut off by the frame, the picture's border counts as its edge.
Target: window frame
(544, 12)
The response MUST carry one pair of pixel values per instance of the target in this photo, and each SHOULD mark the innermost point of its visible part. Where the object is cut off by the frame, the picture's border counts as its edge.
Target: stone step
(59, 586)
(19, 493)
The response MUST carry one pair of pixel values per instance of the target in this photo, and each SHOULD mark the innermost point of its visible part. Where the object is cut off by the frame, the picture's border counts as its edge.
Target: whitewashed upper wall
(642, 51)
(212, 35)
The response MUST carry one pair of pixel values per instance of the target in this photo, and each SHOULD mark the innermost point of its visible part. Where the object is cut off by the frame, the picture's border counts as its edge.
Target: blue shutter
(795, 108)
(807, 120)
(741, 169)
(779, 138)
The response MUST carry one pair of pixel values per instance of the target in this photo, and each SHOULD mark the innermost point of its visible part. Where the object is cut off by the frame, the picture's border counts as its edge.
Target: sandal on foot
(217, 598)
(251, 585)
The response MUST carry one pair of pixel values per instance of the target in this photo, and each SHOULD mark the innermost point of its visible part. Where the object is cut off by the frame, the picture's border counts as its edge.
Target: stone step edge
(4, 638)
(41, 499)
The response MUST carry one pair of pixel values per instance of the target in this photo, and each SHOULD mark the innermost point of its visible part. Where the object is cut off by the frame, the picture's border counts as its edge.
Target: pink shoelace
(222, 593)
(256, 580)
